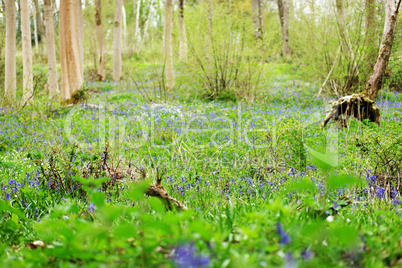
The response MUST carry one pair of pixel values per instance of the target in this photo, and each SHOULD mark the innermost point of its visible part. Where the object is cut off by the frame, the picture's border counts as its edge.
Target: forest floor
(263, 184)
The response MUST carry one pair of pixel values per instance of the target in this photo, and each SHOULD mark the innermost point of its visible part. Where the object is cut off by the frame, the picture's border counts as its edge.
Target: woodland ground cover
(264, 186)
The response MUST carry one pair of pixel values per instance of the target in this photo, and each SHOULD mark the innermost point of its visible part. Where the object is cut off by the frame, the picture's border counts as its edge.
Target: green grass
(256, 196)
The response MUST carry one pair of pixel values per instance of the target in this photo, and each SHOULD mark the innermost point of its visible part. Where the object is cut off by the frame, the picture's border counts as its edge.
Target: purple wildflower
(8, 198)
(185, 257)
(284, 237)
(91, 208)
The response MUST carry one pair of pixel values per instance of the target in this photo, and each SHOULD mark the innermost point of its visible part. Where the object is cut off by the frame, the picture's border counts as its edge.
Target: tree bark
(26, 52)
(117, 41)
(168, 46)
(257, 8)
(70, 61)
(35, 28)
(39, 20)
(182, 31)
(137, 34)
(283, 8)
(10, 72)
(101, 42)
(373, 84)
(146, 25)
(370, 34)
(52, 82)
(81, 35)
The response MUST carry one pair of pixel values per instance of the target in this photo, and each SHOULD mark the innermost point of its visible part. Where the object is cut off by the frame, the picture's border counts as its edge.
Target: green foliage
(225, 56)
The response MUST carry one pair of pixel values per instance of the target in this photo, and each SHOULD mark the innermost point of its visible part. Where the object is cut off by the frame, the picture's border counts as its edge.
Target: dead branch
(158, 191)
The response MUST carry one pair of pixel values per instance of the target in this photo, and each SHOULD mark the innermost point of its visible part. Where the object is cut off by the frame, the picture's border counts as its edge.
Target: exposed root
(357, 106)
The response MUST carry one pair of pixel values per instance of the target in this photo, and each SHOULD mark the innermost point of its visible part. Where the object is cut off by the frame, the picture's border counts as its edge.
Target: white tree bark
(101, 41)
(10, 72)
(137, 33)
(283, 7)
(182, 32)
(168, 45)
(70, 60)
(52, 82)
(81, 34)
(257, 8)
(26, 52)
(117, 41)
(374, 82)
(146, 25)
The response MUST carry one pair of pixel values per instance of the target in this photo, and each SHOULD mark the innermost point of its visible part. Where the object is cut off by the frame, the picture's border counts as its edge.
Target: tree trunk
(35, 29)
(117, 41)
(70, 61)
(137, 33)
(370, 34)
(146, 25)
(168, 45)
(283, 7)
(257, 8)
(362, 106)
(101, 42)
(182, 31)
(374, 82)
(39, 20)
(26, 52)
(10, 72)
(52, 82)
(81, 35)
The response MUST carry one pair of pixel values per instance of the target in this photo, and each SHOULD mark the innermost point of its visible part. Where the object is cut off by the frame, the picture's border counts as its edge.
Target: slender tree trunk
(18, 16)
(39, 20)
(52, 82)
(81, 34)
(257, 9)
(137, 33)
(70, 60)
(145, 32)
(117, 41)
(101, 41)
(124, 23)
(373, 84)
(283, 7)
(35, 28)
(10, 72)
(26, 52)
(168, 45)
(370, 34)
(182, 32)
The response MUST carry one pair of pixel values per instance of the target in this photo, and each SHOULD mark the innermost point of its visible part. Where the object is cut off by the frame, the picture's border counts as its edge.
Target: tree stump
(357, 106)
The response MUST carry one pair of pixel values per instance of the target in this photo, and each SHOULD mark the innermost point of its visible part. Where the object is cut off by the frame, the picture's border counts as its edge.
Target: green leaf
(341, 181)
(5, 207)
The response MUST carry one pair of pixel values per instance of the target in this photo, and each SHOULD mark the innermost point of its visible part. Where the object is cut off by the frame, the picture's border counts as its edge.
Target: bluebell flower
(284, 237)
(91, 208)
(289, 261)
(8, 197)
(185, 257)
(306, 254)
